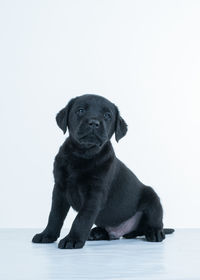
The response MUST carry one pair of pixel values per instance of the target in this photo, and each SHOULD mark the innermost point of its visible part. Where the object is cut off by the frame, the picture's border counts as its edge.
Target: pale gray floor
(178, 257)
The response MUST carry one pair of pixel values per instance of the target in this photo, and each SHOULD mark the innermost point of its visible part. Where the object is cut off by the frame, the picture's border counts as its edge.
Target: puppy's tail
(168, 230)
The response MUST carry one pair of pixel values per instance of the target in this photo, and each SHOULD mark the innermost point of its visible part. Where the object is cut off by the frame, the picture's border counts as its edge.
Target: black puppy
(91, 179)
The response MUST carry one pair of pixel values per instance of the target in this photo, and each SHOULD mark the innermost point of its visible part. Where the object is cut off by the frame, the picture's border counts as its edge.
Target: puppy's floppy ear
(120, 126)
(62, 116)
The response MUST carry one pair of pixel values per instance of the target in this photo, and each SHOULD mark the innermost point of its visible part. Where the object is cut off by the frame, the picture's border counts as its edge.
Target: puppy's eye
(80, 111)
(107, 116)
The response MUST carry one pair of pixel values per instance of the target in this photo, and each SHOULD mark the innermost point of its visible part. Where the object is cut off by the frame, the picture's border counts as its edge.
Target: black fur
(92, 180)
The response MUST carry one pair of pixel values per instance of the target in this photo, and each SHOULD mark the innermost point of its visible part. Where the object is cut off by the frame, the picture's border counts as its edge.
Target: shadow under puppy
(92, 180)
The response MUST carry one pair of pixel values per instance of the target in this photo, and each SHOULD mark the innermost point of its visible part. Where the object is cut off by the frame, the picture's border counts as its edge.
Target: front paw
(155, 235)
(44, 238)
(70, 243)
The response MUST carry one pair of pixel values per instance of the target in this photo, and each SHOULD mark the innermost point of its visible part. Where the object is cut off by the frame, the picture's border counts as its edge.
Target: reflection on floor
(178, 257)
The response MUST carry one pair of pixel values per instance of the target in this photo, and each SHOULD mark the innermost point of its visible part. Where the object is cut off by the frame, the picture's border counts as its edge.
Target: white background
(142, 55)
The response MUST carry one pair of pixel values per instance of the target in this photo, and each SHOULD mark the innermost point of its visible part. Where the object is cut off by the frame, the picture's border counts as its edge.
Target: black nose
(94, 123)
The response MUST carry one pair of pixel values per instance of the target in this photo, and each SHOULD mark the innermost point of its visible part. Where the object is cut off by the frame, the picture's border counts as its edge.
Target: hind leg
(98, 233)
(153, 215)
(151, 225)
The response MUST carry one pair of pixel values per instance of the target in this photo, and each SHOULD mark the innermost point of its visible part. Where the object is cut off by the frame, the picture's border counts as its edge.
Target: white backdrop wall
(142, 55)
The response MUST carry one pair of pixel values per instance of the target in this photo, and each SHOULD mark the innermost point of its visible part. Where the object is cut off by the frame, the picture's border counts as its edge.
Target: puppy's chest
(79, 185)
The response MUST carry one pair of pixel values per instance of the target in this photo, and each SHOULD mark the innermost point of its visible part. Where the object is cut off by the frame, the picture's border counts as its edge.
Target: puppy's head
(92, 120)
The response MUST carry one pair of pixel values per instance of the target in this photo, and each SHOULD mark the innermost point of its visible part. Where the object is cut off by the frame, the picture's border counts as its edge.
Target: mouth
(90, 140)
